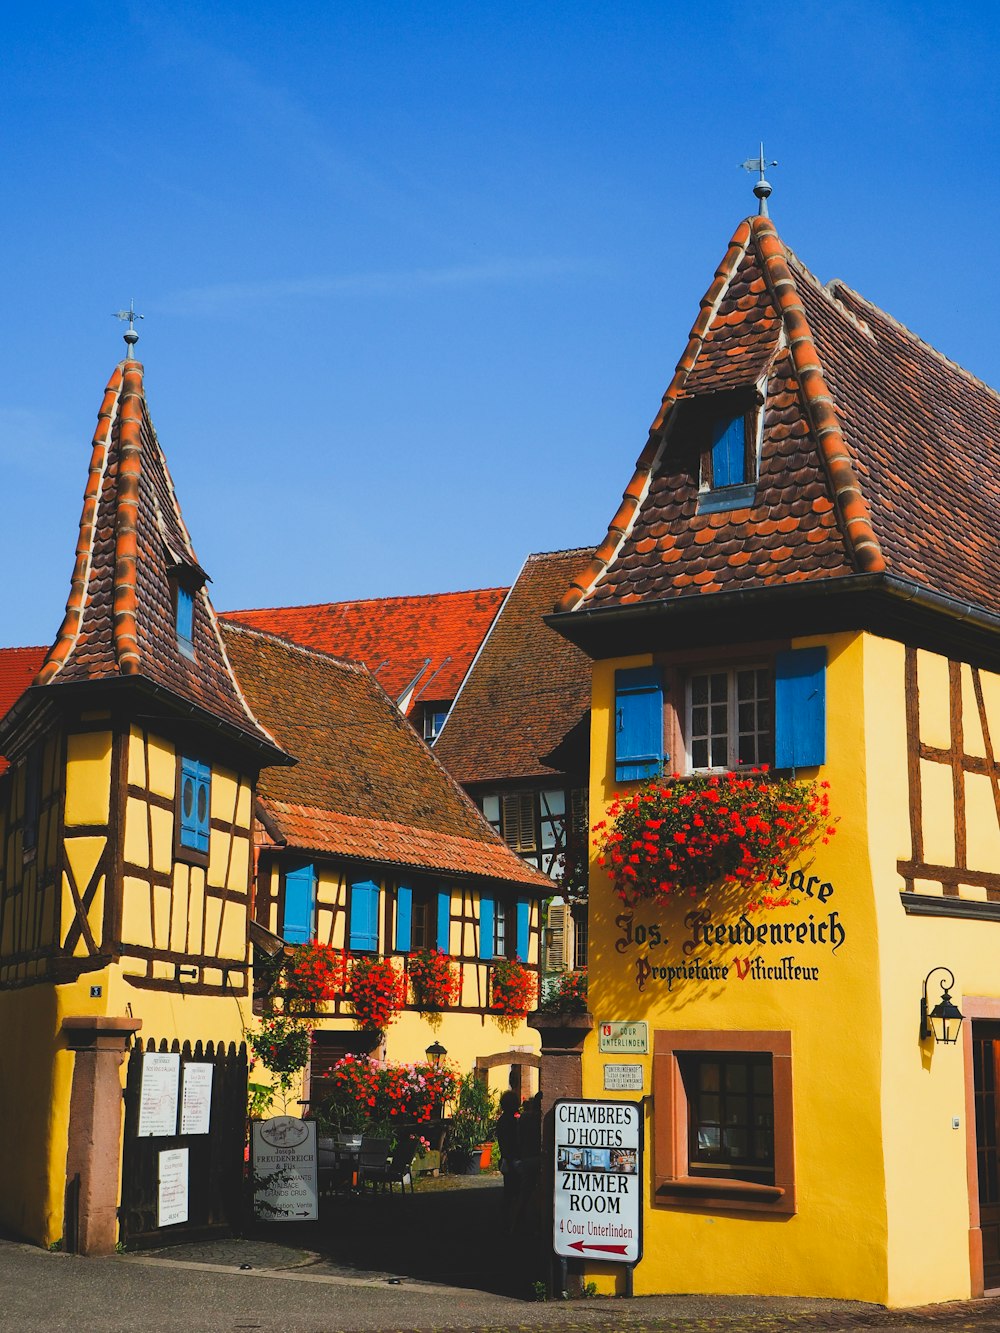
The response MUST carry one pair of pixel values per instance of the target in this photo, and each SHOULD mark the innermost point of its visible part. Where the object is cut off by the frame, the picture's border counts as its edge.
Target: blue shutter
(404, 916)
(189, 802)
(203, 810)
(185, 616)
(523, 925)
(300, 889)
(729, 452)
(638, 723)
(485, 926)
(800, 708)
(444, 921)
(364, 917)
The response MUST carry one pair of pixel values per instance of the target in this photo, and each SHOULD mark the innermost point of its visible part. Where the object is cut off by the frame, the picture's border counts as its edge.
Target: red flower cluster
(378, 992)
(434, 979)
(314, 974)
(513, 990)
(569, 995)
(685, 834)
(386, 1091)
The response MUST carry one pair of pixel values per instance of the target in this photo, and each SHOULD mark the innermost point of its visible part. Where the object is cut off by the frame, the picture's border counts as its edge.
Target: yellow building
(802, 574)
(135, 838)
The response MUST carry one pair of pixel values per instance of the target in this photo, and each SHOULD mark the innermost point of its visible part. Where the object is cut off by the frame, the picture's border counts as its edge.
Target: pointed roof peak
(134, 560)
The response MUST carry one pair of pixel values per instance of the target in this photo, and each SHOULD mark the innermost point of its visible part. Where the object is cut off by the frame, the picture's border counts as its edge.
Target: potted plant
(471, 1127)
(378, 992)
(513, 991)
(434, 983)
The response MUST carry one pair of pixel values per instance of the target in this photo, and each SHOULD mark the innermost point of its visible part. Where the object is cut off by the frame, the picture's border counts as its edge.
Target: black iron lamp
(435, 1053)
(945, 1019)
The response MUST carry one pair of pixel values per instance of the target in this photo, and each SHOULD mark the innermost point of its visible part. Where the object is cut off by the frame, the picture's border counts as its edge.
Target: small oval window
(187, 796)
(202, 805)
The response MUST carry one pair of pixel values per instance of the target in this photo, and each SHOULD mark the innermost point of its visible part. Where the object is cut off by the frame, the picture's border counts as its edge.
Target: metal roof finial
(130, 335)
(762, 188)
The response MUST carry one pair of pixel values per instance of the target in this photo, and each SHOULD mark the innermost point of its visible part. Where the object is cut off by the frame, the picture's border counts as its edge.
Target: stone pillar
(95, 1126)
(563, 1037)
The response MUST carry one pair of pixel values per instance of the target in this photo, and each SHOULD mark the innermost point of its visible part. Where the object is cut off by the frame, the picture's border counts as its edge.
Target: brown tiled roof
(18, 667)
(120, 618)
(365, 785)
(524, 709)
(429, 639)
(819, 511)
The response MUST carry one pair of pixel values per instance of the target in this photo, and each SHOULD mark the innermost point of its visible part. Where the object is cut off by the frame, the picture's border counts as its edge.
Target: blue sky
(416, 276)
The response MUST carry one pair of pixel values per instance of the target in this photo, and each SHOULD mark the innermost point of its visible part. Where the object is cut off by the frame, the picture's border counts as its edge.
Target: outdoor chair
(397, 1169)
(373, 1156)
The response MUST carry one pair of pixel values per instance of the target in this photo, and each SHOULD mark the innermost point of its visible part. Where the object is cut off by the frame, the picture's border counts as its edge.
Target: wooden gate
(215, 1159)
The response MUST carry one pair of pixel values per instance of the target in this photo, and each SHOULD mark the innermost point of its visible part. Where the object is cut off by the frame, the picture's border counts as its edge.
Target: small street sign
(619, 1038)
(597, 1208)
(622, 1078)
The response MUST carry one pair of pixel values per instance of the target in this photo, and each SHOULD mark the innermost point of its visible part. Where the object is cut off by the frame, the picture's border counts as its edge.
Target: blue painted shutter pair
(196, 804)
(523, 928)
(729, 452)
(800, 708)
(638, 723)
(300, 900)
(364, 917)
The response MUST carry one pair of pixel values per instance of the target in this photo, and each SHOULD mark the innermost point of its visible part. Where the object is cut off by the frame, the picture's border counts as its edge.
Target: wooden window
(487, 929)
(185, 619)
(555, 937)
(518, 821)
(434, 719)
(194, 805)
(722, 1129)
(580, 938)
(522, 938)
(365, 898)
(728, 454)
(404, 920)
(729, 718)
(638, 723)
(501, 932)
(298, 918)
(444, 920)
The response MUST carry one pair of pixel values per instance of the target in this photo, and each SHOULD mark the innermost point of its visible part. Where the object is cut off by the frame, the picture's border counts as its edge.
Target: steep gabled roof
(422, 644)
(365, 786)
(827, 463)
(524, 709)
(132, 546)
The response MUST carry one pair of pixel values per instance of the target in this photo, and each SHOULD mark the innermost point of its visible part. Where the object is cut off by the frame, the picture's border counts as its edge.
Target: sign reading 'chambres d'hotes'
(597, 1204)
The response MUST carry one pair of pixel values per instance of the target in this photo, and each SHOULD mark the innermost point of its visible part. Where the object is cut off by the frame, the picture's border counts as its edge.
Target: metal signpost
(597, 1208)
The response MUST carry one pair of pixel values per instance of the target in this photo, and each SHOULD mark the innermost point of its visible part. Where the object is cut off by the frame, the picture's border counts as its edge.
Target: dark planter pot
(465, 1162)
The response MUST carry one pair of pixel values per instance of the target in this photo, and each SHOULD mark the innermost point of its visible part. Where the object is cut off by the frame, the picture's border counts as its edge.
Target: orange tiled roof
(524, 709)
(824, 503)
(430, 639)
(119, 618)
(18, 667)
(365, 785)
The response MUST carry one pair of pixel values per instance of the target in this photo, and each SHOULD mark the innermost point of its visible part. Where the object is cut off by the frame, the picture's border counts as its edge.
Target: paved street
(56, 1292)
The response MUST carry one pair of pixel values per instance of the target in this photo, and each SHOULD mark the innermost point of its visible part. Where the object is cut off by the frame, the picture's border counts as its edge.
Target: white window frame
(732, 718)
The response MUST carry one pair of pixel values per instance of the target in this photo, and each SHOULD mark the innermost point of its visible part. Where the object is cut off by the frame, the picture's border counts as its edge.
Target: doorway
(986, 1096)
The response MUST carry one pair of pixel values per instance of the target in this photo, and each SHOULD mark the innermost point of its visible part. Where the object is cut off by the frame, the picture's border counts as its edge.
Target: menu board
(158, 1098)
(196, 1099)
(172, 1196)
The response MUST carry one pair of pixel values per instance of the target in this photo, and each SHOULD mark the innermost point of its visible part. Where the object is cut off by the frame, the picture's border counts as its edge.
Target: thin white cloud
(218, 297)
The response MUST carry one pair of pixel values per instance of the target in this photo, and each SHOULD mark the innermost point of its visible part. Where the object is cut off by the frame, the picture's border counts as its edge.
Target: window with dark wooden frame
(730, 1099)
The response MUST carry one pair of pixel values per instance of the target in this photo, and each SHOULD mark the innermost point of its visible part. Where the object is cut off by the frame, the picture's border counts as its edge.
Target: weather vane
(762, 188)
(131, 337)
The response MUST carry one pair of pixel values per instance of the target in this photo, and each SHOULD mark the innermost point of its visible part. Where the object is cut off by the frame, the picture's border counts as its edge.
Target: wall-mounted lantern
(435, 1053)
(945, 1019)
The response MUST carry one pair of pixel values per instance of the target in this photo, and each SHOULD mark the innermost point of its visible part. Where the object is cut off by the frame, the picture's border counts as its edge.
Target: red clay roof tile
(429, 639)
(18, 668)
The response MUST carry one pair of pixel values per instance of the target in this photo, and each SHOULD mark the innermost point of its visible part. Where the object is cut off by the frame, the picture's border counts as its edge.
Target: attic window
(729, 461)
(185, 580)
(185, 620)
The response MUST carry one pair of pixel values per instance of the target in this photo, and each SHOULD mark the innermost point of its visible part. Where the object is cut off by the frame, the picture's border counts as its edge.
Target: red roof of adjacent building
(424, 644)
(18, 668)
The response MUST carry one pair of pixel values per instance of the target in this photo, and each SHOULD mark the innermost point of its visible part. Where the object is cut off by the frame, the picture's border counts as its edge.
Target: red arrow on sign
(606, 1249)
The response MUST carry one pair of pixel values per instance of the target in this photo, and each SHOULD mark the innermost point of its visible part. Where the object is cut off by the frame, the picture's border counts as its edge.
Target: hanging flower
(377, 992)
(569, 995)
(434, 982)
(311, 976)
(513, 990)
(682, 835)
(281, 1044)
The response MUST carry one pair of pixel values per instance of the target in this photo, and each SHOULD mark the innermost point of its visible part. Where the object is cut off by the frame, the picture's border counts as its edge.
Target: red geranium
(685, 834)
(513, 990)
(378, 992)
(434, 981)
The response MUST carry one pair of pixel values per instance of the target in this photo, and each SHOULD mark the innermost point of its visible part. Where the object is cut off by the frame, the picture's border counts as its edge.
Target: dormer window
(185, 621)
(728, 459)
(185, 580)
(728, 453)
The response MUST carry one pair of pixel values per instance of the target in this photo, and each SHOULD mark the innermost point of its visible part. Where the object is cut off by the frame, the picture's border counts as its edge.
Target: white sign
(196, 1099)
(623, 1078)
(172, 1200)
(158, 1099)
(286, 1188)
(597, 1209)
(623, 1038)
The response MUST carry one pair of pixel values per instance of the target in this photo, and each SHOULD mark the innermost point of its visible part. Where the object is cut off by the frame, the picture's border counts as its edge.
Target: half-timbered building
(369, 846)
(802, 574)
(518, 740)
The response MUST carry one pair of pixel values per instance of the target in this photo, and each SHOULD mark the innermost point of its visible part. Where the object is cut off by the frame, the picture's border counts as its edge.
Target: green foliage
(474, 1116)
(540, 1290)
